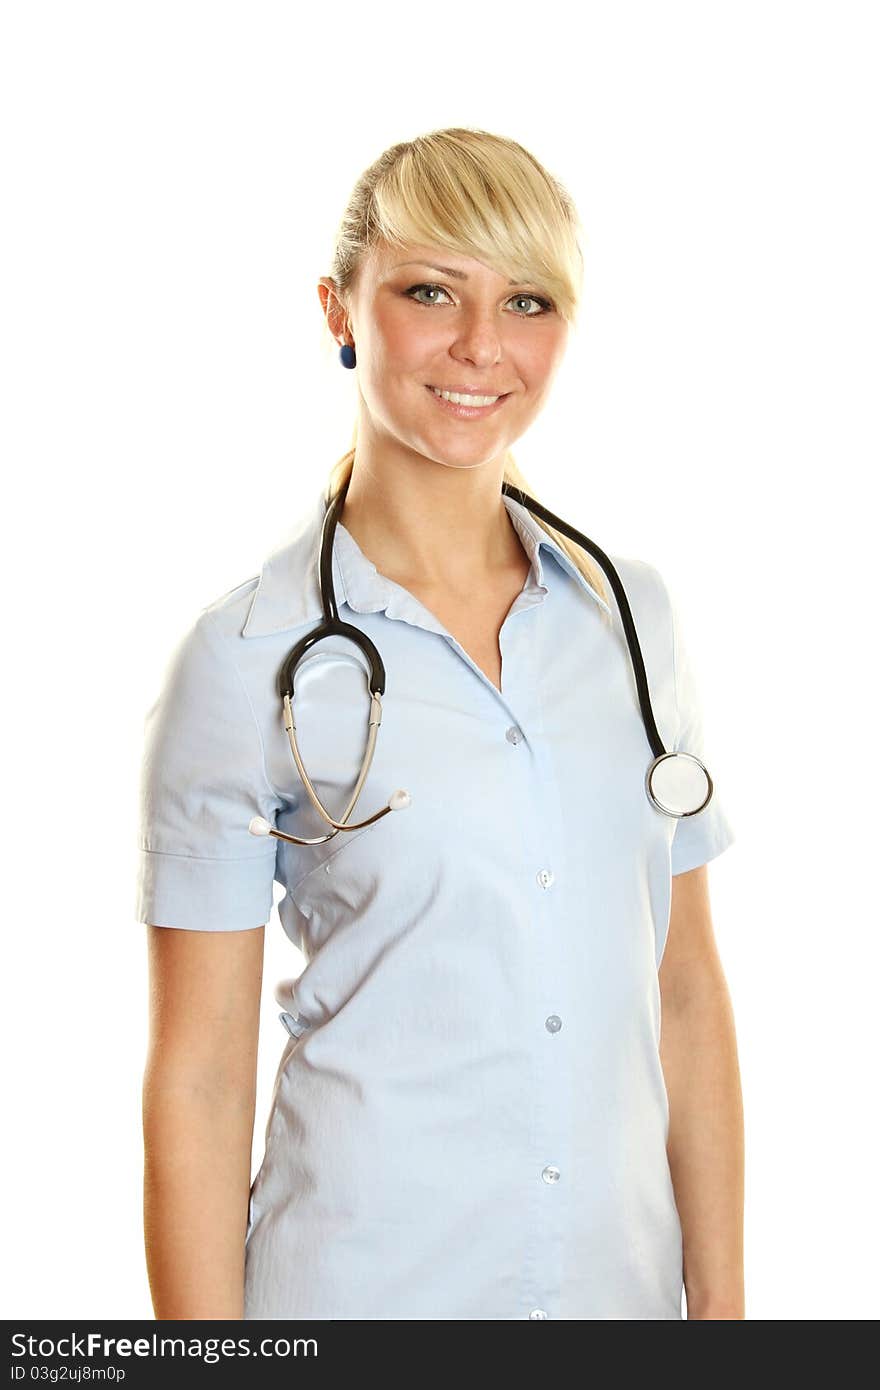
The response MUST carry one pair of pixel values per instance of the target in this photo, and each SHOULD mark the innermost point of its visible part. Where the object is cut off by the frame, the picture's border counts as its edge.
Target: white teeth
(458, 399)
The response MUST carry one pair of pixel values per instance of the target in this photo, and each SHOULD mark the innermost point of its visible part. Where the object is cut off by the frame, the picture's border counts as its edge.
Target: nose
(477, 339)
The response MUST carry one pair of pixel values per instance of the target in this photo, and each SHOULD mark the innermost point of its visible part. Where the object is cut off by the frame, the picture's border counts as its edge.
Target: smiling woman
(470, 1118)
(481, 211)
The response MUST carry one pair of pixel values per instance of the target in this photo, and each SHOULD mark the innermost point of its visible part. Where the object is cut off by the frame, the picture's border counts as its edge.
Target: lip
(467, 412)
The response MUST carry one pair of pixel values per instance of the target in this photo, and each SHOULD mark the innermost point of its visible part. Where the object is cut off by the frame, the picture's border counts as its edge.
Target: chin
(463, 458)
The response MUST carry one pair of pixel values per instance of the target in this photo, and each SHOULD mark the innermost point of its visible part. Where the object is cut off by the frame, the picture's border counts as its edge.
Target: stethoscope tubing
(629, 627)
(331, 625)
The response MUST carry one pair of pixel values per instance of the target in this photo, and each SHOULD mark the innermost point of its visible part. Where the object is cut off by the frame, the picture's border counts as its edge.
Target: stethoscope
(677, 783)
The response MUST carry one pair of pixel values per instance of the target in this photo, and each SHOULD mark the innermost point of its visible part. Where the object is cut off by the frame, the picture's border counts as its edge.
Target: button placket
(551, 1143)
(546, 1121)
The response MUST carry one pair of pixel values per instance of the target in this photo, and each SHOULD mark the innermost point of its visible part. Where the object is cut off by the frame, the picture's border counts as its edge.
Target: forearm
(197, 1153)
(705, 1145)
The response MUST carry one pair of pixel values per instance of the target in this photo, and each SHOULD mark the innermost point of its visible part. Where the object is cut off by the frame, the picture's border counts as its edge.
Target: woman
(475, 1115)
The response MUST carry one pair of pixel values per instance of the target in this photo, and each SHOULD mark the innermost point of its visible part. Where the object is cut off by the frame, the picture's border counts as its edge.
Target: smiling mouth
(475, 399)
(471, 408)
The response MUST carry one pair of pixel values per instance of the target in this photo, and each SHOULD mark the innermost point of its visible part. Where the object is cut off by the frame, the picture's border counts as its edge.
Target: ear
(334, 310)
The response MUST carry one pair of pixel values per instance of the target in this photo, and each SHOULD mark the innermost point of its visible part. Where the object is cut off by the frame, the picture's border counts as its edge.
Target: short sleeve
(202, 779)
(703, 836)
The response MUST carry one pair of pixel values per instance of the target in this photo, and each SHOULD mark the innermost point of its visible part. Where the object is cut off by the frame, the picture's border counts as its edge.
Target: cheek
(541, 356)
(400, 343)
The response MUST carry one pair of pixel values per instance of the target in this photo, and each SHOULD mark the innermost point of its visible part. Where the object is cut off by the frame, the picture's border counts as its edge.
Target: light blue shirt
(469, 1118)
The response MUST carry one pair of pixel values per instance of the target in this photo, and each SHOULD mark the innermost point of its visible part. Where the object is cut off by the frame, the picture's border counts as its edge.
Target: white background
(173, 176)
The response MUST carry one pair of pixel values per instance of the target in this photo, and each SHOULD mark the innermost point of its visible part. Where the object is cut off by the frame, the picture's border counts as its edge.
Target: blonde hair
(481, 195)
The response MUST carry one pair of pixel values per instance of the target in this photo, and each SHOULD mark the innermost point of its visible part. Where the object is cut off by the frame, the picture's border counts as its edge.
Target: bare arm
(199, 1096)
(706, 1149)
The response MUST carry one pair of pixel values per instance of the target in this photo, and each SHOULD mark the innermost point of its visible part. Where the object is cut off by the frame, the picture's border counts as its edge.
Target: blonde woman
(475, 1115)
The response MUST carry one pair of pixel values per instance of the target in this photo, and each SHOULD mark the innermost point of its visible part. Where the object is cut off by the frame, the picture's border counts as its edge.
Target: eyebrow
(444, 270)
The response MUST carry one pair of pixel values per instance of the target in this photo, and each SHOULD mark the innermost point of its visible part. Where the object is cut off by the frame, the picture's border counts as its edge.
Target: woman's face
(450, 322)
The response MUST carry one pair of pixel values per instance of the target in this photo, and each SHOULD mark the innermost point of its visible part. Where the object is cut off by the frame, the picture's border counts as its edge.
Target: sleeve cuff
(699, 838)
(179, 890)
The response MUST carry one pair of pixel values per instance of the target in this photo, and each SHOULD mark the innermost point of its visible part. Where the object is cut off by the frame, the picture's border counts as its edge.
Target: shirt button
(537, 1313)
(553, 1023)
(551, 1173)
(545, 878)
(513, 734)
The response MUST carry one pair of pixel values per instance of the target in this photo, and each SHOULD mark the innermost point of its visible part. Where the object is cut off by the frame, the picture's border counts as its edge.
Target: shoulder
(283, 594)
(645, 588)
(227, 613)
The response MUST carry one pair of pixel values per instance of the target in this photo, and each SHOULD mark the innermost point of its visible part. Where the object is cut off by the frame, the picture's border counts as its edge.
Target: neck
(429, 524)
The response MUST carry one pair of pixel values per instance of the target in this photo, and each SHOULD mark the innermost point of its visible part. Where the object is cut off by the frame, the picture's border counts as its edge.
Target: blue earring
(347, 355)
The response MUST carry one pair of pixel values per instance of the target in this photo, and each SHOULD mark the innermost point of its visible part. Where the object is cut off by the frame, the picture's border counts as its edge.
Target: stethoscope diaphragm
(678, 784)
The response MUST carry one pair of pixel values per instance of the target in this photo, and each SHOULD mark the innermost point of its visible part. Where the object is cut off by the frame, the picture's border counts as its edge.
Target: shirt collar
(287, 594)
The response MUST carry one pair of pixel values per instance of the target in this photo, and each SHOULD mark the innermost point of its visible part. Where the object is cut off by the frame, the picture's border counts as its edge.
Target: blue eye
(546, 304)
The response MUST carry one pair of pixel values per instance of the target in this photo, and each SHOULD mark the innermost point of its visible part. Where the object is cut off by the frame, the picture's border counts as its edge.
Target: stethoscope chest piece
(678, 784)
